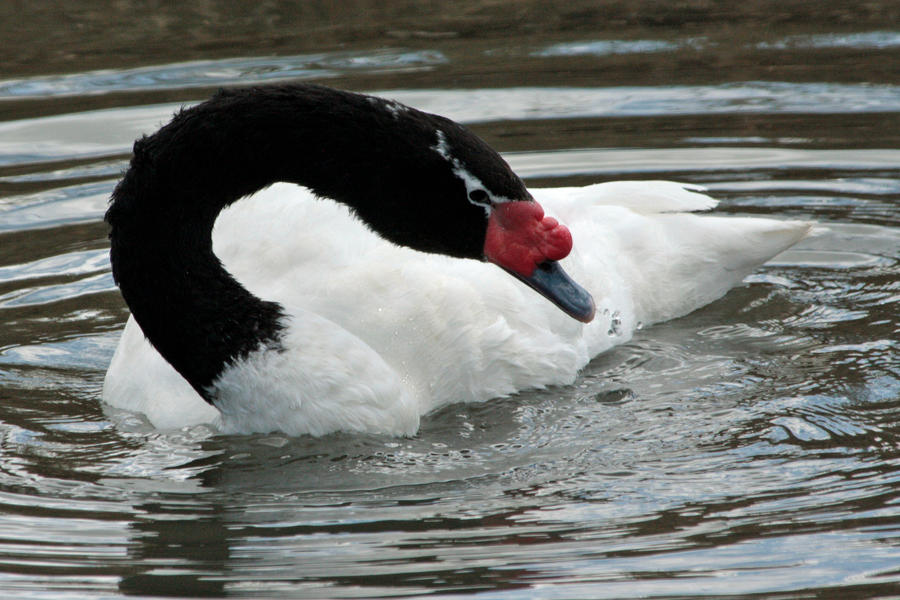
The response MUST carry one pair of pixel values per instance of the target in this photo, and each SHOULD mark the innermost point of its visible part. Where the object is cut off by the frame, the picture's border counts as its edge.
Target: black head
(440, 183)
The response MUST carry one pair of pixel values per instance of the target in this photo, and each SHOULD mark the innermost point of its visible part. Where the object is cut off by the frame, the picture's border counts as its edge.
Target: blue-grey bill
(553, 283)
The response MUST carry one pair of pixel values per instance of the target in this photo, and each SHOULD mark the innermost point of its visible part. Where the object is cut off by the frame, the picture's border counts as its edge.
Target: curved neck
(162, 213)
(392, 164)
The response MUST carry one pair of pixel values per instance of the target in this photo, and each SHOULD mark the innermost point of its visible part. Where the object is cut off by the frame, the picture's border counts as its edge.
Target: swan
(284, 312)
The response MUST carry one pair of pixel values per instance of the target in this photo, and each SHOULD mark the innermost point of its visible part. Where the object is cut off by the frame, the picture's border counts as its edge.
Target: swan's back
(671, 258)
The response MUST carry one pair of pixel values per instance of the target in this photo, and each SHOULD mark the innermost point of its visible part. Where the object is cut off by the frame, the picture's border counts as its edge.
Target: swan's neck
(193, 311)
(397, 168)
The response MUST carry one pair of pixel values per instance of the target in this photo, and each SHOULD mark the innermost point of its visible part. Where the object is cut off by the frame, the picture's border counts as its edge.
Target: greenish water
(749, 450)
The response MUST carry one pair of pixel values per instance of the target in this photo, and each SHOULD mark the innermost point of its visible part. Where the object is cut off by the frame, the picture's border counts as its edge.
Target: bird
(307, 260)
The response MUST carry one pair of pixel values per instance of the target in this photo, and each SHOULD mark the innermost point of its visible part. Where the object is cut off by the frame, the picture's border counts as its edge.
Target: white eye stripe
(476, 192)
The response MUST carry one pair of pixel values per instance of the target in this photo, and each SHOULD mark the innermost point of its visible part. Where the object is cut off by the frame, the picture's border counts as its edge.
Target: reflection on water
(219, 72)
(869, 40)
(750, 448)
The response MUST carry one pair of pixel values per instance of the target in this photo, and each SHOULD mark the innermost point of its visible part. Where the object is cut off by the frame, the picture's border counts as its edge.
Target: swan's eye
(479, 197)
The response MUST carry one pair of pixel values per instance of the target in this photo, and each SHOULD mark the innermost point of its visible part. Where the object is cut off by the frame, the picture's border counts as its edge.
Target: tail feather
(699, 258)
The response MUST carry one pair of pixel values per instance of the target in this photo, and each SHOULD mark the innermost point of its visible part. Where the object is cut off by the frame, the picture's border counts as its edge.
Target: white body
(381, 335)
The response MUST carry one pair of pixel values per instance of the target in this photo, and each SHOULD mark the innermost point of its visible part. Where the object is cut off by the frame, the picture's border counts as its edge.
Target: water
(751, 449)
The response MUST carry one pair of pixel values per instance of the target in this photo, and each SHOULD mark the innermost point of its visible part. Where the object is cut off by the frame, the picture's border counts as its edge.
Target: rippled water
(751, 449)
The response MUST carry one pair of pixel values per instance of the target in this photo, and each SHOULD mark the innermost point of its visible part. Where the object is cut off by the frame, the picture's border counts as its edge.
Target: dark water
(751, 449)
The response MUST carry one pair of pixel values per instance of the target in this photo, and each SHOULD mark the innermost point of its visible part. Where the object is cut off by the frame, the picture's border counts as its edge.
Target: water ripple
(874, 40)
(612, 47)
(770, 97)
(751, 447)
(648, 160)
(60, 206)
(211, 73)
(112, 131)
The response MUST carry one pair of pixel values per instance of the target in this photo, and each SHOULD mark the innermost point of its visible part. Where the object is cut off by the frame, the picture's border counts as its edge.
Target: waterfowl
(307, 260)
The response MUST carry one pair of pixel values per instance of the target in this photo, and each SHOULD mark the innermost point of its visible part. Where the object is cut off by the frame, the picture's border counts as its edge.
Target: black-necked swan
(283, 312)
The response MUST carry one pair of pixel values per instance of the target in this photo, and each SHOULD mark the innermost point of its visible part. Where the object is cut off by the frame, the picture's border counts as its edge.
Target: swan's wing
(670, 260)
(644, 197)
(676, 263)
(645, 236)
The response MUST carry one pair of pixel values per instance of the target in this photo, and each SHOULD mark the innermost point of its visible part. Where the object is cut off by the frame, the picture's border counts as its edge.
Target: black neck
(375, 156)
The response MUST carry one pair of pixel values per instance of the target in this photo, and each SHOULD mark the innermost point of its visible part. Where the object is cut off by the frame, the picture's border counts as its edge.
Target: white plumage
(381, 335)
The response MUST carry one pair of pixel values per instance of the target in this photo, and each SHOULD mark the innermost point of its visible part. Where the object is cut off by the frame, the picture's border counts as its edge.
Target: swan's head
(453, 194)
(528, 245)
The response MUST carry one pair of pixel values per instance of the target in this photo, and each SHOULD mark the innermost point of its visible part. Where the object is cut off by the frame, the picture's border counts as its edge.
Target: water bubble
(614, 396)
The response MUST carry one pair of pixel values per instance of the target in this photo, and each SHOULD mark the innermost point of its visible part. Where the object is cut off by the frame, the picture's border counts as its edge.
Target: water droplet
(615, 324)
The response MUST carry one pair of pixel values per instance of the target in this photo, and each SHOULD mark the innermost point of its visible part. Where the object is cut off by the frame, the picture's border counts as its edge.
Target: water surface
(747, 450)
